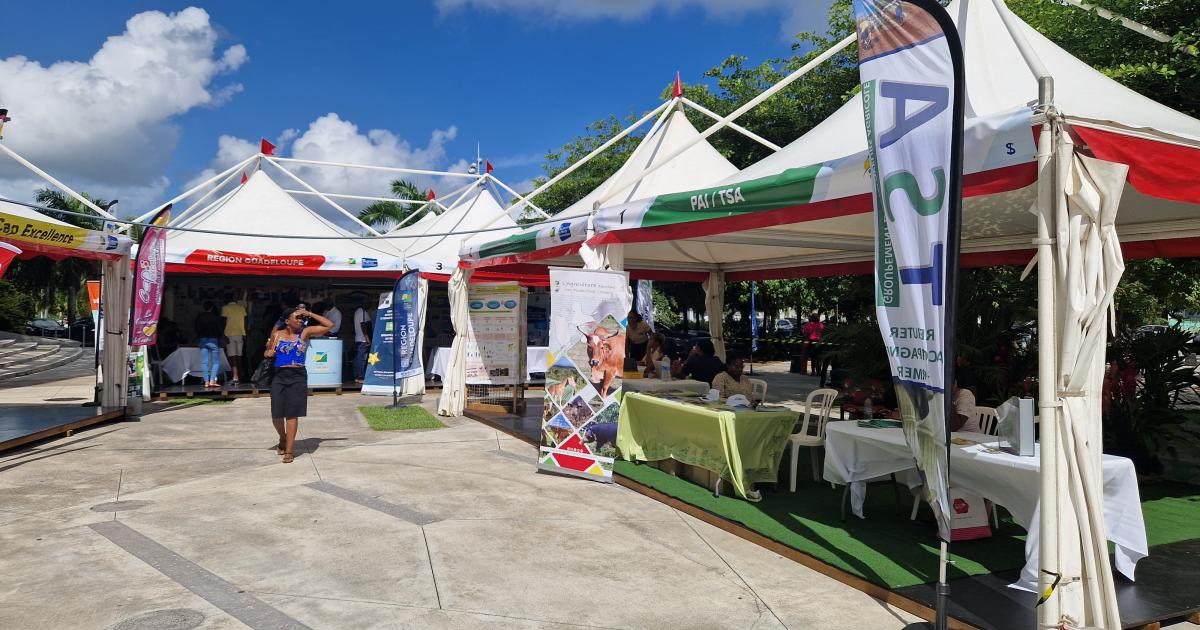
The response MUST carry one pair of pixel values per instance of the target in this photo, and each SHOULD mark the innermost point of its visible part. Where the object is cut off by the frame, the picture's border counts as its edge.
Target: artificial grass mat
(887, 548)
(411, 417)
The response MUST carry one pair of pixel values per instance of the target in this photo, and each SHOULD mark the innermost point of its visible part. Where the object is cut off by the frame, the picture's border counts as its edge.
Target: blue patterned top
(289, 353)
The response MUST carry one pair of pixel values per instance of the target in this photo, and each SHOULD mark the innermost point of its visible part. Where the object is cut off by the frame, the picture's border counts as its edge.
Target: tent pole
(732, 125)
(603, 193)
(61, 186)
(191, 191)
(597, 151)
(516, 194)
(754, 102)
(189, 211)
(389, 169)
(1047, 394)
(196, 204)
(323, 197)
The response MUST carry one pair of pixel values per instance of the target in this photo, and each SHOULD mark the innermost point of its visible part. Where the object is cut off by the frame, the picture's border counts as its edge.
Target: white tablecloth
(646, 385)
(185, 362)
(856, 455)
(535, 361)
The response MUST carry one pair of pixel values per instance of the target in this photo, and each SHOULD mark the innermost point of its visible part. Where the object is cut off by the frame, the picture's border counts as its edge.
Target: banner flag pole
(911, 67)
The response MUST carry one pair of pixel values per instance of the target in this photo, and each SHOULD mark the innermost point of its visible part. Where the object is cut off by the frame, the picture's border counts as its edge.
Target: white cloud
(105, 125)
(797, 15)
(331, 138)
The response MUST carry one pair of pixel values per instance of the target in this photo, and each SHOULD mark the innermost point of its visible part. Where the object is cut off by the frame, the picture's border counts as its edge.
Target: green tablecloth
(743, 446)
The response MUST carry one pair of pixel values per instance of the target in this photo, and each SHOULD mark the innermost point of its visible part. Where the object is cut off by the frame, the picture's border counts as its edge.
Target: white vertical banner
(645, 301)
(584, 366)
(910, 62)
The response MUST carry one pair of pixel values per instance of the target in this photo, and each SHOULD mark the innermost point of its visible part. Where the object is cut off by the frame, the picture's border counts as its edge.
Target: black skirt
(289, 393)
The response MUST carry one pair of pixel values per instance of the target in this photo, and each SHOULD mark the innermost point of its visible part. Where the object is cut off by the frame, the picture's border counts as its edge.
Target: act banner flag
(584, 366)
(149, 274)
(910, 63)
(395, 354)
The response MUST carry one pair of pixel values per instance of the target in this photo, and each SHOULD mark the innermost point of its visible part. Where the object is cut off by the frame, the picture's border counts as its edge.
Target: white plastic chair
(759, 391)
(987, 419)
(818, 405)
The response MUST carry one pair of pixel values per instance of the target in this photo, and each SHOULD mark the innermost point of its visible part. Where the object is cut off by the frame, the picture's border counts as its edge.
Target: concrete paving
(197, 524)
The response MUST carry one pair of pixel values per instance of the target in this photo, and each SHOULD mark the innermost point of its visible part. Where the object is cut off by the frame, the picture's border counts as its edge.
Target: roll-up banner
(149, 274)
(588, 311)
(394, 352)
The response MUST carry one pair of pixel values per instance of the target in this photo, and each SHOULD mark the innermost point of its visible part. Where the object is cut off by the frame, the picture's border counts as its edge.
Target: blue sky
(517, 76)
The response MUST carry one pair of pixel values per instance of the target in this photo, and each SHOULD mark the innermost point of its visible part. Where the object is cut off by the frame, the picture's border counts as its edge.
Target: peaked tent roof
(435, 240)
(788, 215)
(35, 233)
(700, 165)
(261, 206)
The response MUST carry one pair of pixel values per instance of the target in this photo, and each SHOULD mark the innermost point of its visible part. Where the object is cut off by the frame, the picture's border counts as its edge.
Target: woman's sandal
(287, 458)
(280, 448)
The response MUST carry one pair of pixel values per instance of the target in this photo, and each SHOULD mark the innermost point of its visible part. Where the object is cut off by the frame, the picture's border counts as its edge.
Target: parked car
(44, 327)
(84, 331)
(785, 326)
(1152, 329)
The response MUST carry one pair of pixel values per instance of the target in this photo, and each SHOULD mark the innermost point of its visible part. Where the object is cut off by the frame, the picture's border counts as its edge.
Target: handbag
(263, 374)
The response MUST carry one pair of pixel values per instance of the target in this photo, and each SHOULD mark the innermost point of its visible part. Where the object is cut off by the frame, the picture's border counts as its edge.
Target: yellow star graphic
(373, 358)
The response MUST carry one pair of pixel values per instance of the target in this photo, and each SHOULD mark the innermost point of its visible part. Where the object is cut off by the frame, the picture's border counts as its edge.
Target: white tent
(435, 239)
(698, 165)
(1047, 142)
(261, 206)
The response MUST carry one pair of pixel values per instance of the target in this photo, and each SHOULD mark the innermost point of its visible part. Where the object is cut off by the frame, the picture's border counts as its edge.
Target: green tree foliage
(1166, 72)
(1151, 291)
(16, 307)
(666, 311)
(389, 214)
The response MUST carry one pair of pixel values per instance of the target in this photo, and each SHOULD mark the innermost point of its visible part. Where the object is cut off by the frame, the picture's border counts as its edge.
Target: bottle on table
(664, 369)
(868, 411)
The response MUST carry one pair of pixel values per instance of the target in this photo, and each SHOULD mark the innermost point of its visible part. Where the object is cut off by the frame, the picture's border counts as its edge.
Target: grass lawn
(886, 548)
(411, 417)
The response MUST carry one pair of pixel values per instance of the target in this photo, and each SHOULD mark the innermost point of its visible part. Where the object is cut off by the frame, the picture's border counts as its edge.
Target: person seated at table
(654, 355)
(702, 363)
(637, 336)
(964, 405)
(733, 380)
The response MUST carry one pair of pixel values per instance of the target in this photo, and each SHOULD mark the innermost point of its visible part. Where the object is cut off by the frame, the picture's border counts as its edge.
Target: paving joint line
(395, 510)
(432, 573)
(746, 583)
(120, 478)
(210, 587)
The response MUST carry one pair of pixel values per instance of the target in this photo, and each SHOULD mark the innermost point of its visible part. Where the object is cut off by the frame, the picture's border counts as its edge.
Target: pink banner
(150, 273)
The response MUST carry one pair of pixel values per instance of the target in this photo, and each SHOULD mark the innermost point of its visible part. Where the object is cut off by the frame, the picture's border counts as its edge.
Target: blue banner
(395, 354)
(753, 319)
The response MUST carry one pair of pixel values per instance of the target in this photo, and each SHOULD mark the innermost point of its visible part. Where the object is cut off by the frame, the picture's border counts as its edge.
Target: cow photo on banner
(910, 63)
(588, 311)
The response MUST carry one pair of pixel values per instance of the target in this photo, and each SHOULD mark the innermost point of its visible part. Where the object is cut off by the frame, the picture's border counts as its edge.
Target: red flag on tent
(677, 91)
(7, 254)
(266, 148)
(244, 178)
(487, 166)
(430, 196)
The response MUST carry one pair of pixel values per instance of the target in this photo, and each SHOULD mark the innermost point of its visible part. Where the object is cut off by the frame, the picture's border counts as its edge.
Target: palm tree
(392, 213)
(69, 273)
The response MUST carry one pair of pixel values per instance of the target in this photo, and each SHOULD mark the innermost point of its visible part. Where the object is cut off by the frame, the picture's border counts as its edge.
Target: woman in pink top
(811, 333)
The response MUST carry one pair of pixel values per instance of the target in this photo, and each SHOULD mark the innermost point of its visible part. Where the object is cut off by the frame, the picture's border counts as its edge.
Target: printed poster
(495, 346)
(586, 359)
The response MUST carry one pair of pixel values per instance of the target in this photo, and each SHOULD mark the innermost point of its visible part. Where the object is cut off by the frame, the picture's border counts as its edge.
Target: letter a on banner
(588, 311)
(910, 62)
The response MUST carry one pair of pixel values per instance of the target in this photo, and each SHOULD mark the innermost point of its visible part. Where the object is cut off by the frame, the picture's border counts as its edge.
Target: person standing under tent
(811, 332)
(208, 337)
(363, 325)
(637, 334)
(334, 315)
(235, 332)
(289, 387)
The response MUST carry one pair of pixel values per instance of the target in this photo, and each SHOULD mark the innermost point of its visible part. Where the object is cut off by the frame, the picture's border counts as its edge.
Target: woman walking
(289, 387)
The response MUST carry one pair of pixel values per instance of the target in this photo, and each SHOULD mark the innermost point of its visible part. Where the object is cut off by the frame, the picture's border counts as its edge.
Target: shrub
(16, 308)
